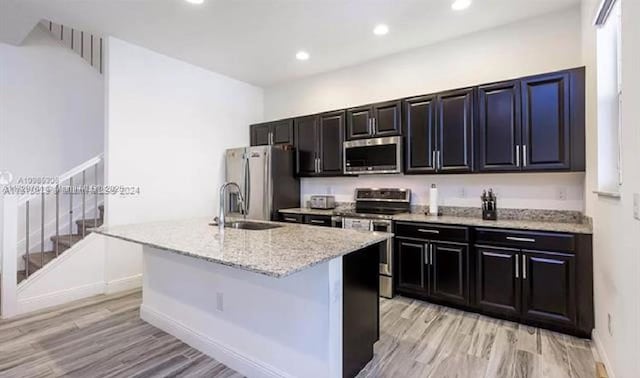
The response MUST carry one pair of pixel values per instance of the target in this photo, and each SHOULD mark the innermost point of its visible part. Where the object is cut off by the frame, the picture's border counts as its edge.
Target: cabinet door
(455, 130)
(331, 132)
(449, 274)
(498, 284)
(546, 122)
(387, 119)
(260, 134)
(499, 131)
(549, 292)
(420, 131)
(358, 125)
(282, 131)
(410, 262)
(306, 144)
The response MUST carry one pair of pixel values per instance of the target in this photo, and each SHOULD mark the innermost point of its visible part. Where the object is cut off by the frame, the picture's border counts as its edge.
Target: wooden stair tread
(35, 258)
(89, 222)
(66, 240)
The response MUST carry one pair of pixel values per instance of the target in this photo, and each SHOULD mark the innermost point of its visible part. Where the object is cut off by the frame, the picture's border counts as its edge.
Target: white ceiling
(256, 40)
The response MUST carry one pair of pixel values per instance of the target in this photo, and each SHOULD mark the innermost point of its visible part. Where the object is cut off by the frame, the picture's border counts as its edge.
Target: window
(609, 73)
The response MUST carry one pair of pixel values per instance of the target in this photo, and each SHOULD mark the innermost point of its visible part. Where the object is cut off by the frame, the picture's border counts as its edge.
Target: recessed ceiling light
(195, 1)
(302, 55)
(381, 29)
(460, 5)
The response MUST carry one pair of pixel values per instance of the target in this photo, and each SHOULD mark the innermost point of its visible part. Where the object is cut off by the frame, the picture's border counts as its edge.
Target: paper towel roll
(433, 200)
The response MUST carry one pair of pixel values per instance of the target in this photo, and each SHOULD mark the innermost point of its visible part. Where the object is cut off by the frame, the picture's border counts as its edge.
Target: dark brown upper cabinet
(420, 134)
(546, 122)
(499, 135)
(532, 124)
(270, 133)
(454, 129)
(377, 120)
(318, 142)
(439, 132)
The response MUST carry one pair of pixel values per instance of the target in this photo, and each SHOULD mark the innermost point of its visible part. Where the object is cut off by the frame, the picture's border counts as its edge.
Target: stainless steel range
(374, 211)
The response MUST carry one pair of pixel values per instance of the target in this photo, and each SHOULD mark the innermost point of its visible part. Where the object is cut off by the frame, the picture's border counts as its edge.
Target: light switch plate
(636, 206)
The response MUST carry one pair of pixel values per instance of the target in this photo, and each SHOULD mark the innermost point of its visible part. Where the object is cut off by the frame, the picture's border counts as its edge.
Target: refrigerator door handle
(247, 184)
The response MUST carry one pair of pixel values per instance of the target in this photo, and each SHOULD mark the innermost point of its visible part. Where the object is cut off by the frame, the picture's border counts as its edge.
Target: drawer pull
(428, 231)
(528, 240)
(291, 219)
(316, 221)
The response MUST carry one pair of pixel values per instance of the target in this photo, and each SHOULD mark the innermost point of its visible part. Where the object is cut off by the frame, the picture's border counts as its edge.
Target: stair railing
(14, 205)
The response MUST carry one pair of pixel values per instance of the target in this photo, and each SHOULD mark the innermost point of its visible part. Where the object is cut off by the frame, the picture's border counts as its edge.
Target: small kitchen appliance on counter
(489, 205)
(323, 202)
(374, 211)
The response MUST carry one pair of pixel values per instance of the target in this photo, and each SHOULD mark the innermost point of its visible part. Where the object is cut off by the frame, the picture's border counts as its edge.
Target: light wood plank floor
(420, 339)
(104, 337)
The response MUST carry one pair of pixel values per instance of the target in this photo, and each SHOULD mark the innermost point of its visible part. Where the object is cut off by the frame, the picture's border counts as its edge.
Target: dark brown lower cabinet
(544, 279)
(448, 271)
(549, 287)
(411, 265)
(497, 280)
(433, 269)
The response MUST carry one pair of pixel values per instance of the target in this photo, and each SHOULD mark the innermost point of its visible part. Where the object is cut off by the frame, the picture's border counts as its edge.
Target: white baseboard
(214, 349)
(59, 297)
(595, 336)
(123, 284)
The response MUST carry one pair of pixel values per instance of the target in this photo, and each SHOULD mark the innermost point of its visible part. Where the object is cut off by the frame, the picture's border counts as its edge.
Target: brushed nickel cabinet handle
(524, 267)
(524, 155)
(426, 254)
(528, 240)
(517, 267)
(518, 156)
(428, 231)
(290, 219)
(316, 221)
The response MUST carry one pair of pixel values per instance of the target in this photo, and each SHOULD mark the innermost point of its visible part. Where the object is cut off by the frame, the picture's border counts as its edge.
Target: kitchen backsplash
(554, 191)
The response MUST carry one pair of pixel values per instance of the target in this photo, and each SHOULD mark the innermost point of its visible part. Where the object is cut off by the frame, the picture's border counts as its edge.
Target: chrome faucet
(223, 203)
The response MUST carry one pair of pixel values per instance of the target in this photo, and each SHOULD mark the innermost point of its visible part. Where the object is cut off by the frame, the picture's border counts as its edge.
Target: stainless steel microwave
(373, 156)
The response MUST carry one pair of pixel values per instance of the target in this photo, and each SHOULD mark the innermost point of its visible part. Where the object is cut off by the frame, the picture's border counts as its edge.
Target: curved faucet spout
(223, 203)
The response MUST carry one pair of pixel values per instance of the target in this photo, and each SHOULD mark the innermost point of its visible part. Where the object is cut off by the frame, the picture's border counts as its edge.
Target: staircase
(88, 46)
(61, 243)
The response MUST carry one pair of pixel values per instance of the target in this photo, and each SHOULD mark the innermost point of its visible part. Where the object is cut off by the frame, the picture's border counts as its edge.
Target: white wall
(168, 125)
(51, 107)
(562, 191)
(616, 233)
(547, 43)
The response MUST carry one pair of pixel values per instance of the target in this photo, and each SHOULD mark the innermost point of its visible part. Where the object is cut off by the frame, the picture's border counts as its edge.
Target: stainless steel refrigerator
(266, 176)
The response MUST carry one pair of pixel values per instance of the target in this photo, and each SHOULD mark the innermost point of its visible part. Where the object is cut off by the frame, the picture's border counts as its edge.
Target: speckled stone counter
(541, 220)
(308, 211)
(276, 252)
(576, 228)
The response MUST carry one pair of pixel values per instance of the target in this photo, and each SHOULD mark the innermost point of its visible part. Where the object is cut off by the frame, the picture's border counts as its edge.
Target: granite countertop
(575, 228)
(308, 211)
(519, 224)
(277, 252)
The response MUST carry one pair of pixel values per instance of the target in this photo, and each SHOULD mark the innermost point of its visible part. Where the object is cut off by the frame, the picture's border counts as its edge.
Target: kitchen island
(291, 301)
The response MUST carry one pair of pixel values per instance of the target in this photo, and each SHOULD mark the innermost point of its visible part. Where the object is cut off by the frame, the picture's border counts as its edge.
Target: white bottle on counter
(433, 200)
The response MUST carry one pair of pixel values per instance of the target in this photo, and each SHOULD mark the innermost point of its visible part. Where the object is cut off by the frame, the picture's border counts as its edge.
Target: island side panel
(361, 310)
(265, 327)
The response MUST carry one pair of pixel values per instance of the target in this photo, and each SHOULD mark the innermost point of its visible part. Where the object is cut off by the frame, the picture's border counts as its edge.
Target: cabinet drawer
(291, 218)
(432, 231)
(318, 220)
(549, 241)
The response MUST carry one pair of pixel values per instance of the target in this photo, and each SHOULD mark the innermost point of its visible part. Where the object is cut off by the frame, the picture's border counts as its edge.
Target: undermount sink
(247, 225)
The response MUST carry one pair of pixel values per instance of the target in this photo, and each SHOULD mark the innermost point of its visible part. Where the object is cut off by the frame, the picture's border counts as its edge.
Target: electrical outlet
(636, 205)
(220, 302)
(562, 193)
(610, 324)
